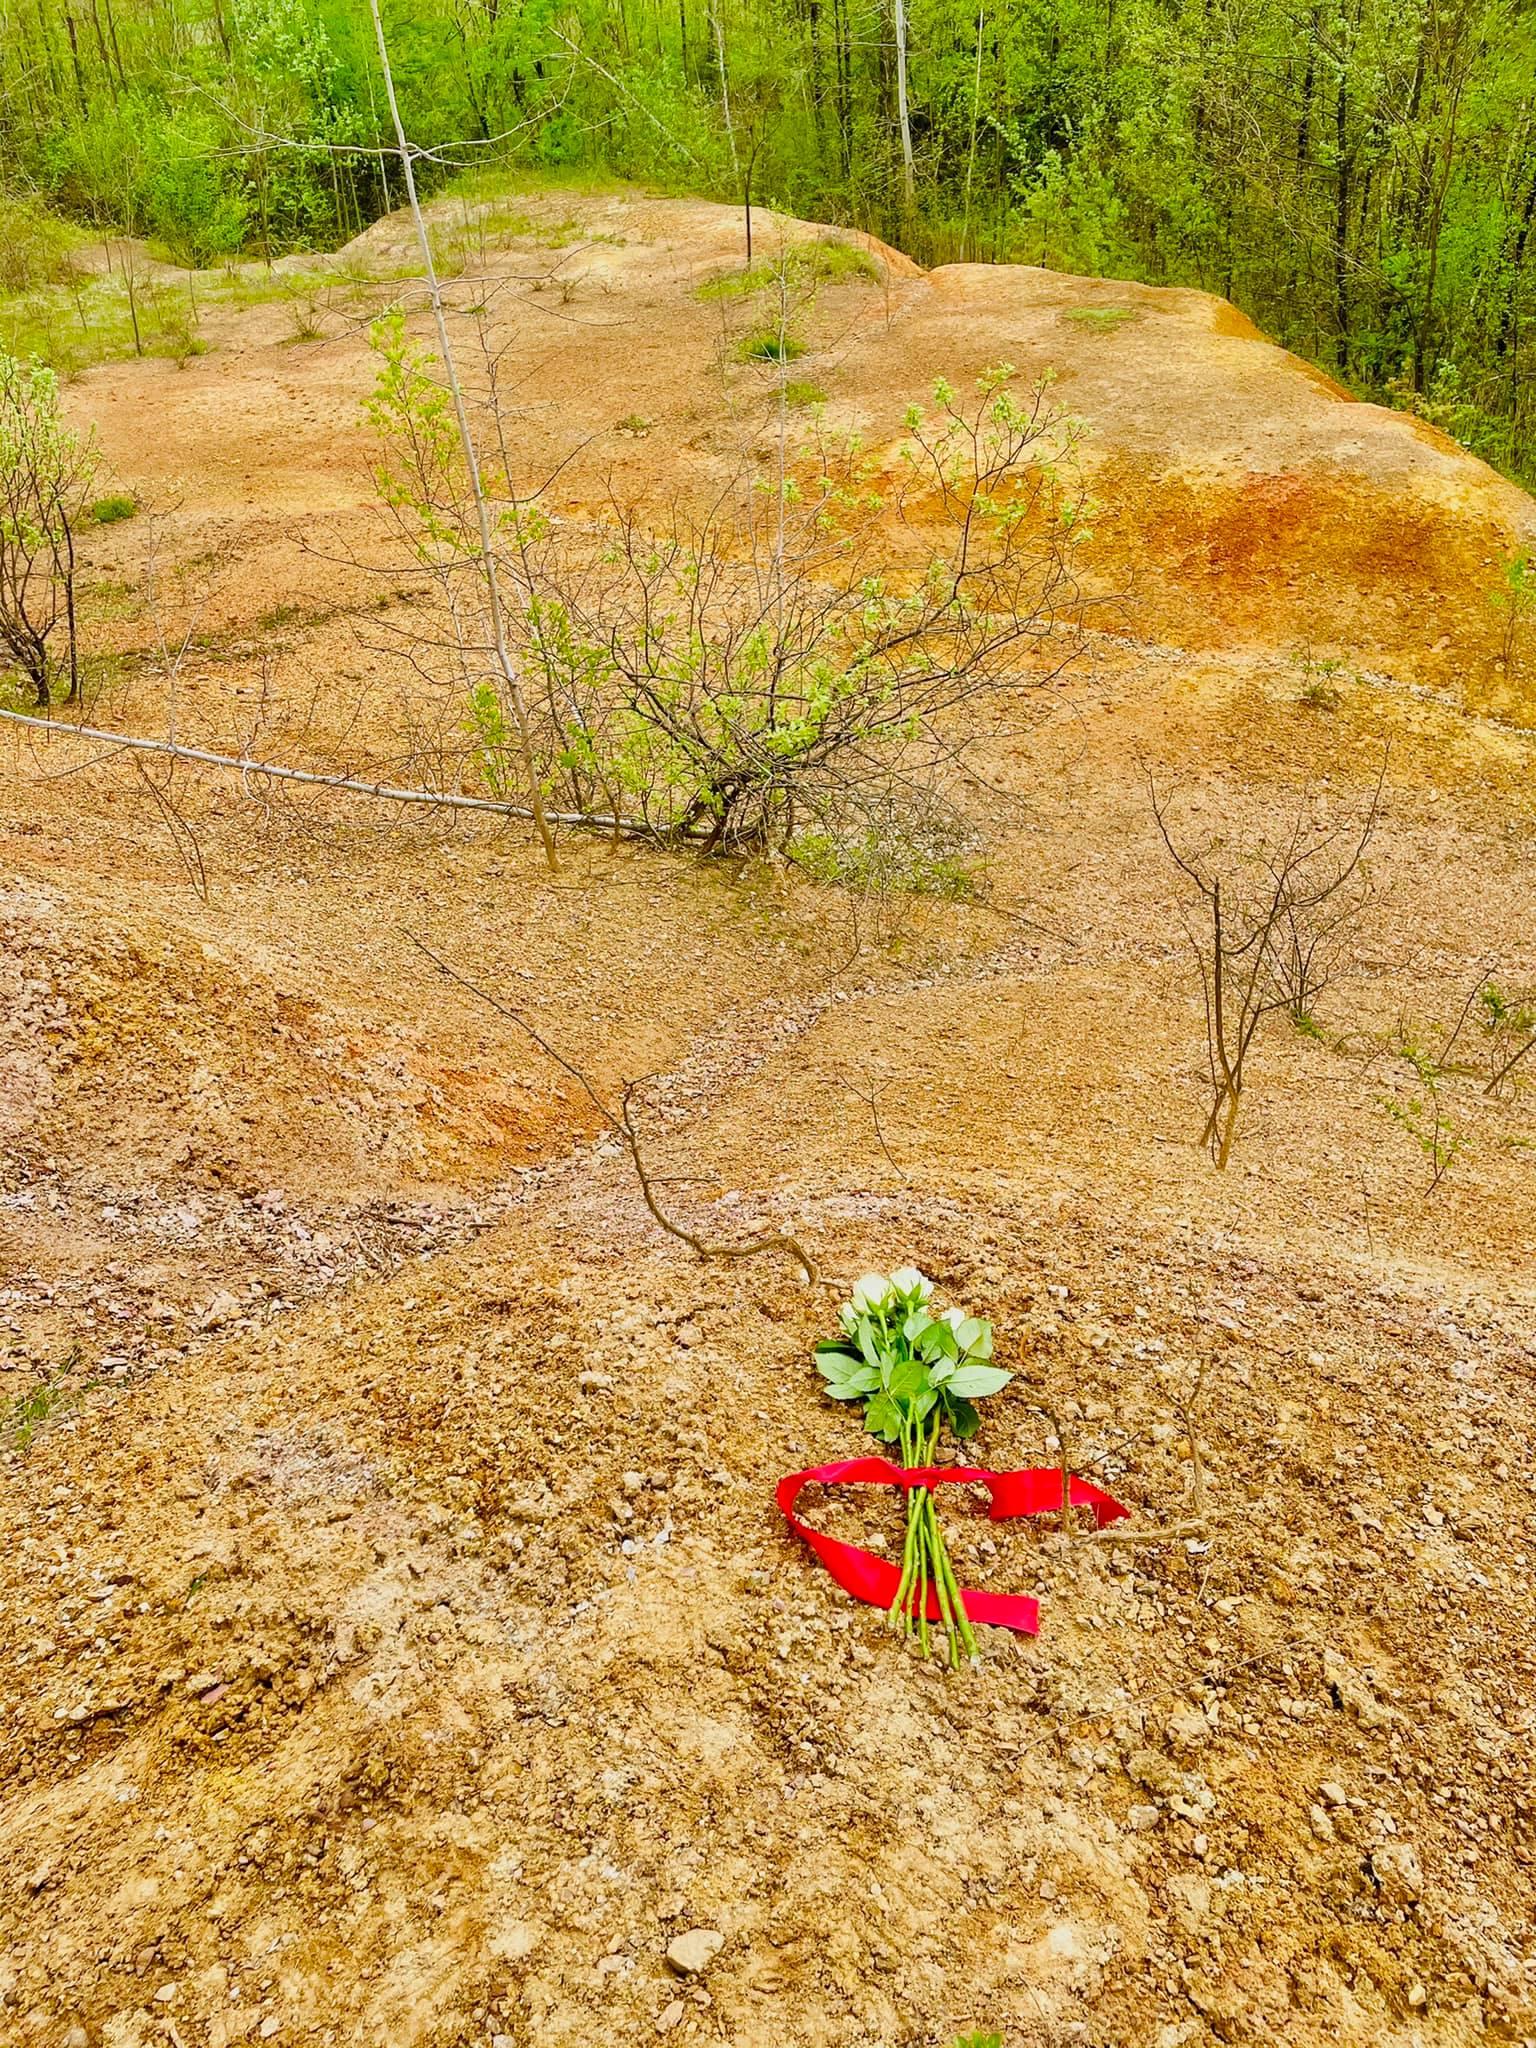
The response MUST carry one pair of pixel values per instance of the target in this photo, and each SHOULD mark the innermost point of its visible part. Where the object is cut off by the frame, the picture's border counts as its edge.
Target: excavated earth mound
(398, 1641)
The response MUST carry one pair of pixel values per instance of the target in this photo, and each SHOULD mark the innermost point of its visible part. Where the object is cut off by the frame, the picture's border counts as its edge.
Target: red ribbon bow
(1034, 1491)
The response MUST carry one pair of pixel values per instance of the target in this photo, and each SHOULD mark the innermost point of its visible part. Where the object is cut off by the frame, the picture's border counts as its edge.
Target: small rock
(690, 1334)
(503, 2041)
(1397, 1874)
(165, 1994)
(1320, 1824)
(1143, 1819)
(692, 1953)
(1333, 1794)
(219, 1310)
(269, 2027)
(1418, 1997)
(672, 2016)
(634, 1482)
(594, 1382)
(39, 1877)
(1351, 1693)
(77, 2037)
(1188, 1727)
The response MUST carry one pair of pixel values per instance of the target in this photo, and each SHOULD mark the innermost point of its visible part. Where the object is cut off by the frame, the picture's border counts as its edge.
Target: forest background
(1360, 178)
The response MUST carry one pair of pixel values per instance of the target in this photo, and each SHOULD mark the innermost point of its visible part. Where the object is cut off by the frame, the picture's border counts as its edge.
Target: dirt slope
(398, 1642)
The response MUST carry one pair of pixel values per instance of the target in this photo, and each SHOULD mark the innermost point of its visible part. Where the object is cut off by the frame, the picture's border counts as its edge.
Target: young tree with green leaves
(46, 470)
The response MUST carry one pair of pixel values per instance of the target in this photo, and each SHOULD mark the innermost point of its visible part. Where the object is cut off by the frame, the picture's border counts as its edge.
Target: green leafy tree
(46, 472)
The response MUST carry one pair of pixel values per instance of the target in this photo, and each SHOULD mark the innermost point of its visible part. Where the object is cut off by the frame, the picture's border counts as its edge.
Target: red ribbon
(1034, 1491)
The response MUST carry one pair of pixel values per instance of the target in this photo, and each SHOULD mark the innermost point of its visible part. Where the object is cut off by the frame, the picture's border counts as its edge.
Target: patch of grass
(1319, 680)
(75, 324)
(497, 181)
(634, 423)
(111, 597)
(34, 246)
(803, 392)
(803, 266)
(884, 860)
(108, 511)
(28, 1413)
(769, 345)
(1101, 319)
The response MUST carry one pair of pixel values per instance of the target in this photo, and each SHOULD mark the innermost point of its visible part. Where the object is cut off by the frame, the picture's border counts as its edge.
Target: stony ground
(398, 1641)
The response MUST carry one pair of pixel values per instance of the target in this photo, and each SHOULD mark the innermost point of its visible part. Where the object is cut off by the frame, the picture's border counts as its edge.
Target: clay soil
(398, 1640)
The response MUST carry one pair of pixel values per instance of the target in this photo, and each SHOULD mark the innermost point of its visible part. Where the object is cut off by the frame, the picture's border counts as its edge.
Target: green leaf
(863, 1380)
(938, 1341)
(974, 1381)
(882, 1418)
(909, 1376)
(964, 1420)
(834, 1356)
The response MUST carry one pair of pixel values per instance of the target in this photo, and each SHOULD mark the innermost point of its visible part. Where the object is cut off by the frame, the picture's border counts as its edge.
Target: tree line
(1358, 175)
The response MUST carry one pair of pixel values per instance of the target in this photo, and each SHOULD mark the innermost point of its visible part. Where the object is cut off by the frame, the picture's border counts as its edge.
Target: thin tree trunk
(902, 111)
(1341, 219)
(725, 91)
(970, 162)
(467, 442)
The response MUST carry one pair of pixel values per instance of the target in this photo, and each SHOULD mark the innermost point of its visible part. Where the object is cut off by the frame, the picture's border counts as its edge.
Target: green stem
(923, 1638)
(935, 1549)
(900, 1608)
(899, 1614)
(966, 1633)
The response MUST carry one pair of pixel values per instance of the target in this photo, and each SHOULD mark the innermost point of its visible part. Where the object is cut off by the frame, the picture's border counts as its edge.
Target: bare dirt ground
(399, 1642)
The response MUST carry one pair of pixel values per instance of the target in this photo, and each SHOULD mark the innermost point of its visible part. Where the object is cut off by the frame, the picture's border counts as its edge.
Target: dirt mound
(400, 1641)
(1243, 496)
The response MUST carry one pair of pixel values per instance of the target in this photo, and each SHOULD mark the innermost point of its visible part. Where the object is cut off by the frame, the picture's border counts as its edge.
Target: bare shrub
(1265, 928)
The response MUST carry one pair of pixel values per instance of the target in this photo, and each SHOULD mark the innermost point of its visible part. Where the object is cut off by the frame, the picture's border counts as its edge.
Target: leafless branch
(622, 1123)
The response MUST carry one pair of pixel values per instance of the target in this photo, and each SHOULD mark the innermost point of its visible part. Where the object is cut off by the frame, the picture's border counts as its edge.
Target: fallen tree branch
(621, 1123)
(350, 785)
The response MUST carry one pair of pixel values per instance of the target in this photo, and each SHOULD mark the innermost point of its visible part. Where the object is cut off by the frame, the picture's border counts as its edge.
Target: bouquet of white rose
(917, 1371)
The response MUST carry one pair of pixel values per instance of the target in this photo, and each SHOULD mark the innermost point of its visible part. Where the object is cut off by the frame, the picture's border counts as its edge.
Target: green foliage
(419, 470)
(34, 246)
(1514, 599)
(494, 743)
(1508, 1024)
(912, 860)
(757, 678)
(803, 393)
(799, 269)
(1417, 1106)
(25, 1416)
(108, 511)
(981, 2040)
(46, 470)
(913, 1369)
(1100, 320)
(770, 345)
(1361, 182)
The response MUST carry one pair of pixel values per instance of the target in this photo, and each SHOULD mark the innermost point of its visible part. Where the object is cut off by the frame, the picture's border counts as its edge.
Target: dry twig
(621, 1122)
